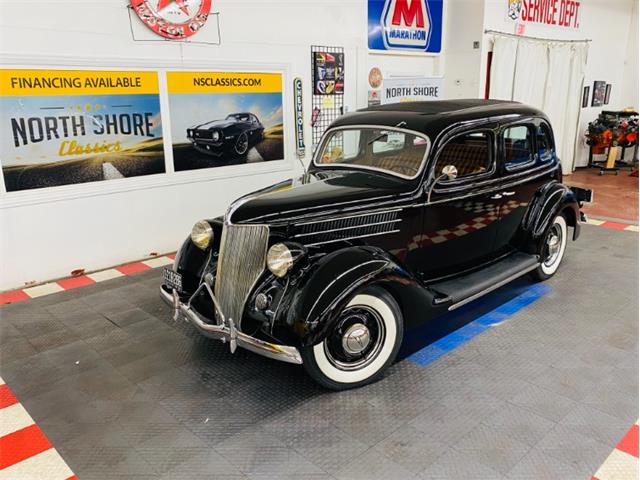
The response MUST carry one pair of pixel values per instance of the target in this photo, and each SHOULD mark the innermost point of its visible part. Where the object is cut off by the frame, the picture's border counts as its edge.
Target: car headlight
(189, 132)
(202, 234)
(279, 260)
(215, 135)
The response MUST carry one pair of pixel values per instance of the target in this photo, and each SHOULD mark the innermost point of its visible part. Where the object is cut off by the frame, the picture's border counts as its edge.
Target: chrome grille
(243, 250)
(347, 228)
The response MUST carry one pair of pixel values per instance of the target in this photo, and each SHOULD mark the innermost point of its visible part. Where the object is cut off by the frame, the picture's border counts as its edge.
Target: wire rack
(326, 107)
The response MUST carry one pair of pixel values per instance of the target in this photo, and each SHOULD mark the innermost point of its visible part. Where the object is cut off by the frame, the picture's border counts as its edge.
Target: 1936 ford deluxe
(407, 211)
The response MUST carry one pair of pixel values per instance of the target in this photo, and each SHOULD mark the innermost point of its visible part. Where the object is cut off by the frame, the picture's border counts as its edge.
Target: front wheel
(363, 342)
(553, 249)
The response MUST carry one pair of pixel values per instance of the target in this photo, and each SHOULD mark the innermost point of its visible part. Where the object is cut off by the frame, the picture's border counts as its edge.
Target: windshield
(394, 151)
(239, 117)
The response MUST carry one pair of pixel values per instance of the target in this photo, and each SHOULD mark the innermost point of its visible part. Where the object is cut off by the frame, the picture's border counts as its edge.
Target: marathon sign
(410, 25)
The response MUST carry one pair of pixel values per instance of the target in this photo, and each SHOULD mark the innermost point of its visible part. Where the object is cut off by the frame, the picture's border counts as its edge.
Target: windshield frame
(330, 131)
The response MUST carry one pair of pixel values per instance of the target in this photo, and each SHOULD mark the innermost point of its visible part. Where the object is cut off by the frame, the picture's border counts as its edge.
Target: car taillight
(632, 137)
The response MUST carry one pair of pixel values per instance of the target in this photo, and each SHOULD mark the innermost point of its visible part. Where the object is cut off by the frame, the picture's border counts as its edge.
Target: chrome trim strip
(374, 169)
(351, 238)
(488, 187)
(225, 333)
(493, 287)
(366, 225)
(376, 212)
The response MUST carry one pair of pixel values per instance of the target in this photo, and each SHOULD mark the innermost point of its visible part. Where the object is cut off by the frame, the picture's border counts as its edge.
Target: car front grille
(241, 261)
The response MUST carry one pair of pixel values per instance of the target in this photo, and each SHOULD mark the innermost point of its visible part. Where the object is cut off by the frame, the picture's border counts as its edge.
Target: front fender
(323, 293)
(552, 199)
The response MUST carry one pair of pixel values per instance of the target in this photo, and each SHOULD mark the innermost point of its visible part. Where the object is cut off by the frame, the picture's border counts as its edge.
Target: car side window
(470, 153)
(544, 143)
(518, 146)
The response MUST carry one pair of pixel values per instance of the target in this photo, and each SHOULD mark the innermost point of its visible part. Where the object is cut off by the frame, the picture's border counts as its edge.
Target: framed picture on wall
(585, 96)
(607, 94)
(599, 88)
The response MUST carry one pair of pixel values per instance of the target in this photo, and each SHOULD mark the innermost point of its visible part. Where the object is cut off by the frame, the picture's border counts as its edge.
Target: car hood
(317, 193)
(216, 124)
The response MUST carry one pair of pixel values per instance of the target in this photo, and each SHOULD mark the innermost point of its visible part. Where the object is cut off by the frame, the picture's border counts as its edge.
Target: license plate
(172, 279)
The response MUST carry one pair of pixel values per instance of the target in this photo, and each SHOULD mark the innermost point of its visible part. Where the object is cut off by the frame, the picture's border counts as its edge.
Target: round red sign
(174, 19)
(375, 77)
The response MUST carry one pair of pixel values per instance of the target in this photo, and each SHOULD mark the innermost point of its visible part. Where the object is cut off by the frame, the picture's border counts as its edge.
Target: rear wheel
(363, 342)
(553, 249)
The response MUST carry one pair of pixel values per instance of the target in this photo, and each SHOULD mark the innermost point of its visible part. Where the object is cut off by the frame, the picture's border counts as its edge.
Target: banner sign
(299, 116)
(409, 25)
(556, 13)
(62, 127)
(225, 118)
(412, 89)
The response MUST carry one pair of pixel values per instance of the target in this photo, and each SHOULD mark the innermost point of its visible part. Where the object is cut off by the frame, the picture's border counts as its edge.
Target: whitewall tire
(363, 342)
(553, 248)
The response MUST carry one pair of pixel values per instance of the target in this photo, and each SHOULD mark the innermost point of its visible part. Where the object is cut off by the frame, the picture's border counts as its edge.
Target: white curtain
(547, 75)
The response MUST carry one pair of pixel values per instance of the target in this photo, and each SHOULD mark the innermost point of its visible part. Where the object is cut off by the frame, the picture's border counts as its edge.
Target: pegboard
(330, 105)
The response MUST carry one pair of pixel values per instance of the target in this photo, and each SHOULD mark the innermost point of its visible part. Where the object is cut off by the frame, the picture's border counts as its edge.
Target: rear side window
(544, 143)
(518, 146)
(470, 153)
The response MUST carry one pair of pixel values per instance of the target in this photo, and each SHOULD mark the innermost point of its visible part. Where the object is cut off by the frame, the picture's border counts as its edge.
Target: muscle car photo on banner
(62, 127)
(220, 119)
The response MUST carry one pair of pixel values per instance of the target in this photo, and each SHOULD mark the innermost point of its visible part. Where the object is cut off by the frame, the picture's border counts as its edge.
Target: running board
(461, 290)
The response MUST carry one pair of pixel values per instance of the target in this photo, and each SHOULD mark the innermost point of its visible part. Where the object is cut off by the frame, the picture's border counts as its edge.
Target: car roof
(240, 113)
(434, 116)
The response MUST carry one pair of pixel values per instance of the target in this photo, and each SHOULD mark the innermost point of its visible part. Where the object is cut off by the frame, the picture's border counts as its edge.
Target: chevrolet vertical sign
(409, 25)
(297, 98)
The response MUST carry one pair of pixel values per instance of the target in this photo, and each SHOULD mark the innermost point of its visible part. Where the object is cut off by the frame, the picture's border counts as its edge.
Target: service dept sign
(410, 25)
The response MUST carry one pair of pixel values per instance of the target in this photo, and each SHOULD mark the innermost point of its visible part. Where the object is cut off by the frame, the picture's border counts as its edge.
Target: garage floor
(122, 391)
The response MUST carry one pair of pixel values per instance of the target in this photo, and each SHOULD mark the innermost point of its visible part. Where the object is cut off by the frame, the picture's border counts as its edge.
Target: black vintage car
(234, 135)
(407, 211)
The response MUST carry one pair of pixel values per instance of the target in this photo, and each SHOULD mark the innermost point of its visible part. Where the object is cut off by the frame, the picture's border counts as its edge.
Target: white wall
(607, 24)
(464, 25)
(47, 233)
(630, 76)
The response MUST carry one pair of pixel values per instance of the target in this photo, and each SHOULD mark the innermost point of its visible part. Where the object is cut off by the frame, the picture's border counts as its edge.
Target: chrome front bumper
(225, 330)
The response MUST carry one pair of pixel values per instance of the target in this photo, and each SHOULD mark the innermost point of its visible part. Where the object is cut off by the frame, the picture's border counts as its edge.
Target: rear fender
(551, 200)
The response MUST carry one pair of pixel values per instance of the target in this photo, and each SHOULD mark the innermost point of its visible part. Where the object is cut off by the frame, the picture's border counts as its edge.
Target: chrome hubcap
(554, 243)
(356, 339)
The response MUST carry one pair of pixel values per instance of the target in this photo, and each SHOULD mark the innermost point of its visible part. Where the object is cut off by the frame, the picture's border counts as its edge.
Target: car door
(461, 216)
(527, 154)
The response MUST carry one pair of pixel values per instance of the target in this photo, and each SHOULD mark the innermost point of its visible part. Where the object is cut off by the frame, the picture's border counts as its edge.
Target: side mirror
(449, 172)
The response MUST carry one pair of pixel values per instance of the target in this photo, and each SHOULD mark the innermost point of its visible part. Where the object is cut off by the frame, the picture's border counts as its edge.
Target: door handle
(508, 194)
(497, 196)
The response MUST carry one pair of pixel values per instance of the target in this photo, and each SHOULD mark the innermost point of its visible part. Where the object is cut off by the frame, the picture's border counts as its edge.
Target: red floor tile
(75, 282)
(7, 398)
(132, 268)
(23, 444)
(614, 225)
(629, 444)
(13, 297)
